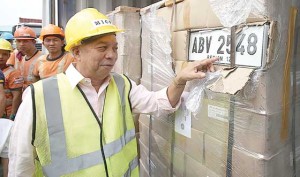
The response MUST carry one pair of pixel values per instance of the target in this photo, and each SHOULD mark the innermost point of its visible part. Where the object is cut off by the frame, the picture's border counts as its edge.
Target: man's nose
(111, 53)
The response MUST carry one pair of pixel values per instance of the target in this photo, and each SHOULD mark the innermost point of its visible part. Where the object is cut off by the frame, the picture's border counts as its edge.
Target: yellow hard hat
(5, 45)
(87, 23)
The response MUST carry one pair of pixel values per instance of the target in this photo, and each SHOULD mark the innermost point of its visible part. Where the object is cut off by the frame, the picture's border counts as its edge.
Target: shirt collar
(75, 77)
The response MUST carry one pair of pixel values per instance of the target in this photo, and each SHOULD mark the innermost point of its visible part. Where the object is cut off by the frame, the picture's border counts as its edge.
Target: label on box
(183, 121)
(218, 113)
(251, 43)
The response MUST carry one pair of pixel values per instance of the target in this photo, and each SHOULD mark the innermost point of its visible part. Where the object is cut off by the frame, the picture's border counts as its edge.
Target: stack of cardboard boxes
(129, 41)
(243, 127)
(129, 44)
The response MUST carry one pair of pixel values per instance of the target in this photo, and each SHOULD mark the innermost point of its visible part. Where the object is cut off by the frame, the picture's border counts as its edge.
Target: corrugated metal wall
(59, 11)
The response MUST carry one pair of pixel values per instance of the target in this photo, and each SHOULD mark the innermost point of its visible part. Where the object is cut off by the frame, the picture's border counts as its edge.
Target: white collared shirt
(21, 151)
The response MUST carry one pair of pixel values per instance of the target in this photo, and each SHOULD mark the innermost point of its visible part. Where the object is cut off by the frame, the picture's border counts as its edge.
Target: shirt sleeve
(11, 59)
(15, 80)
(21, 157)
(148, 102)
(36, 71)
(69, 59)
(5, 129)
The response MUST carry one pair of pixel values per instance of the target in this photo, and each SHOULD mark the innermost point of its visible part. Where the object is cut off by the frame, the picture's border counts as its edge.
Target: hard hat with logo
(50, 30)
(87, 23)
(7, 36)
(5, 45)
(24, 32)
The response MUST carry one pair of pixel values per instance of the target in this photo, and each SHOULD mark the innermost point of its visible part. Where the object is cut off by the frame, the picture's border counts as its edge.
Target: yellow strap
(286, 77)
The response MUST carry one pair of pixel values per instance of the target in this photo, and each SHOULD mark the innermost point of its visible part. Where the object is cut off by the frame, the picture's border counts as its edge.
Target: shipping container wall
(59, 12)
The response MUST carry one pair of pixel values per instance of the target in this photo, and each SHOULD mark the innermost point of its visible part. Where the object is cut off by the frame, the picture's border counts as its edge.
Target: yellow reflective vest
(67, 133)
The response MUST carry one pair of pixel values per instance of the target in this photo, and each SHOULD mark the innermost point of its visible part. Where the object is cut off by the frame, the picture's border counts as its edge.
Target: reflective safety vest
(67, 131)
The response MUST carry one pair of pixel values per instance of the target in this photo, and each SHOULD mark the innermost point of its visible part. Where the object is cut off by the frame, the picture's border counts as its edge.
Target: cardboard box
(245, 163)
(157, 63)
(161, 150)
(186, 11)
(143, 170)
(156, 75)
(257, 106)
(129, 42)
(195, 169)
(160, 127)
(213, 117)
(179, 65)
(255, 132)
(159, 146)
(192, 146)
(157, 167)
(161, 165)
(180, 43)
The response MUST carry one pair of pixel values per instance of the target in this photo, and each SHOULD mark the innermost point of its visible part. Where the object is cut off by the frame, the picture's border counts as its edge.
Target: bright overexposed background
(11, 10)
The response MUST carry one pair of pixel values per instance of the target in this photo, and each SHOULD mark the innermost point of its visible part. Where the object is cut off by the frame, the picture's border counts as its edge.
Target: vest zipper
(100, 125)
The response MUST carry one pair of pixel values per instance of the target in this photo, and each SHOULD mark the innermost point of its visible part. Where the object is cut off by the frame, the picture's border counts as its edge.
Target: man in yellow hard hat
(5, 125)
(81, 123)
(16, 54)
(13, 81)
(57, 61)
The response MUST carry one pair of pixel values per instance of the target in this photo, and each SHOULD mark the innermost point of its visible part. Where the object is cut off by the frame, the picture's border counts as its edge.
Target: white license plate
(251, 45)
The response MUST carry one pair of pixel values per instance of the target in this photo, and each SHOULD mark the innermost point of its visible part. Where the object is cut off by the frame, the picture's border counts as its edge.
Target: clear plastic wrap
(129, 42)
(245, 134)
(156, 51)
(235, 12)
(196, 93)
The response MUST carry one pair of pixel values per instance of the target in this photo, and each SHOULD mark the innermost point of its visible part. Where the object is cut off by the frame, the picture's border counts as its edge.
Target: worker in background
(5, 129)
(81, 123)
(8, 36)
(16, 54)
(13, 81)
(25, 41)
(2, 94)
(57, 60)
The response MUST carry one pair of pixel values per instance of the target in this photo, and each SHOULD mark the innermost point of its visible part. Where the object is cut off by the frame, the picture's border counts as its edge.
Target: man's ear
(76, 53)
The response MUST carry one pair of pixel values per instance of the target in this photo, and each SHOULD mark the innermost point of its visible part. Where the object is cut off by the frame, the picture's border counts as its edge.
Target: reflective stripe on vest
(133, 164)
(60, 163)
(121, 87)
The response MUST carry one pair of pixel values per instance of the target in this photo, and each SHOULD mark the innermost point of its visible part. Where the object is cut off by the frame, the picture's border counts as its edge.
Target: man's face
(53, 44)
(4, 55)
(97, 58)
(25, 45)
